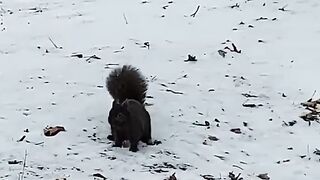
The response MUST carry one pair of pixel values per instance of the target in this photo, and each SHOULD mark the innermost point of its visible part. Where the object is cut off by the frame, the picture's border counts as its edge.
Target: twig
(194, 14)
(247, 95)
(54, 44)
(22, 138)
(314, 92)
(206, 123)
(262, 18)
(235, 6)
(235, 48)
(237, 166)
(107, 66)
(24, 165)
(174, 92)
(35, 143)
(308, 151)
(125, 18)
(220, 157)
(283, 8)
(92, 57)
(250, 105)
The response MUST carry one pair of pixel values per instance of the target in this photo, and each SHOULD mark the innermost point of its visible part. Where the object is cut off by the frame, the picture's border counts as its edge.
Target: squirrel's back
(127, 83)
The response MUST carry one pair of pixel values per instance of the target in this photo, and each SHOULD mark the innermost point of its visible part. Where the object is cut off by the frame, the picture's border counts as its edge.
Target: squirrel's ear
(115, 104)
(124, 104)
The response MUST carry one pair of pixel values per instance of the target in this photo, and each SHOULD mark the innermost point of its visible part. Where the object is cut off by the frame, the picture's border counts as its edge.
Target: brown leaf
(264, 176)
(213, 138)
(52, 131)
(222, 53)
(236, 130)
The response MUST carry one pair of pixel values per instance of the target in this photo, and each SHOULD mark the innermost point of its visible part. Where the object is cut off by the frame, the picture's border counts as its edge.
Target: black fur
(130, 121)
(128, 118)
(127, 83)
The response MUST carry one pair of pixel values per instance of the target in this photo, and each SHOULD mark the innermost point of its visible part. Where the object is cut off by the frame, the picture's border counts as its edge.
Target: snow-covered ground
(42, 84)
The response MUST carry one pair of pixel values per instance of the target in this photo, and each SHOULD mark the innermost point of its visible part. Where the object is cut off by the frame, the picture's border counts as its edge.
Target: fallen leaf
(264, 176)
(213, 138)
(222, 53)
(52, 131)
(236, 130)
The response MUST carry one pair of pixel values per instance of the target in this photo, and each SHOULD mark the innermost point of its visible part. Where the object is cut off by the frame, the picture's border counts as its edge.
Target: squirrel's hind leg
(147, 134)
(133, 146)
(134, 140)
(147, 139)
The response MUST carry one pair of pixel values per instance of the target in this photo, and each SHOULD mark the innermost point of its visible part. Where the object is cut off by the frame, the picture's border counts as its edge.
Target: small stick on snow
(220, 157)
(235, 48)
(93, 57)
(24, 165)
(194, 14)
(236, 166)
(174, 92)
(54, 44)
(314, 92)
(22, 138)
(125, 18)
(283, 8)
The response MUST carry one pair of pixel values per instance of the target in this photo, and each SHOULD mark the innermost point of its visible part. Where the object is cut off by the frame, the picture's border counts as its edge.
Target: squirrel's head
(118, 115)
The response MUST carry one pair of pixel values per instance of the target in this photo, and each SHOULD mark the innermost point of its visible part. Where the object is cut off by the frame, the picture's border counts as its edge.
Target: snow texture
(238, 113)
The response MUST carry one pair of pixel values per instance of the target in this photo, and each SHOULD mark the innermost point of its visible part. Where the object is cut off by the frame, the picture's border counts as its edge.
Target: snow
(43, 85)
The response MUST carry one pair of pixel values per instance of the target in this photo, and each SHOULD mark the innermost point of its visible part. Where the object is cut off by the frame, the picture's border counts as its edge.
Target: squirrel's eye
(120, 115)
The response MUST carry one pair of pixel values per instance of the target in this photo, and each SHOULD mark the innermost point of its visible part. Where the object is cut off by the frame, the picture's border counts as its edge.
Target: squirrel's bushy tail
(127, 83)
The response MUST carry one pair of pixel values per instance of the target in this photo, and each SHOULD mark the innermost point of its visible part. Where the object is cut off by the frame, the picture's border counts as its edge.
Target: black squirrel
(128, 118)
